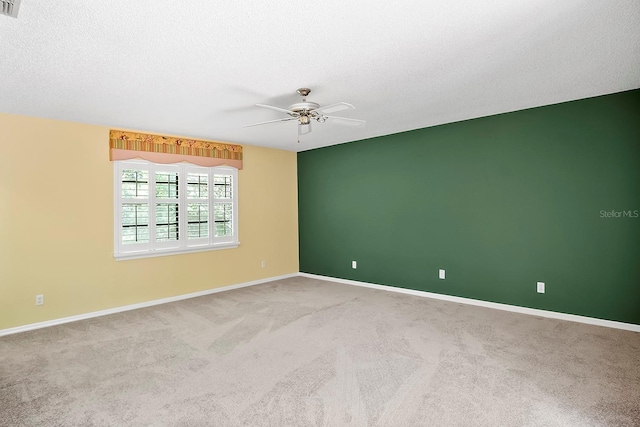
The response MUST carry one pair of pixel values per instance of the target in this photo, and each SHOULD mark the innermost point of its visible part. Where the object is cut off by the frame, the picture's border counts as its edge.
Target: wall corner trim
(106, 312)
(494, 305)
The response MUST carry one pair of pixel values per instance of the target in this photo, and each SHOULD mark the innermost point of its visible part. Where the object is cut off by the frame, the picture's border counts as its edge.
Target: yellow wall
(56, 226)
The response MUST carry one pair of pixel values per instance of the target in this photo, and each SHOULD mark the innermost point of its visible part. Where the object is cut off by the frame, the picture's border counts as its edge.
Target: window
(170, 209)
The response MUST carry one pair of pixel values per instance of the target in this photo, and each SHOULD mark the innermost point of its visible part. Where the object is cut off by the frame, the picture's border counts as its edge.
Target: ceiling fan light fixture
(304, 119)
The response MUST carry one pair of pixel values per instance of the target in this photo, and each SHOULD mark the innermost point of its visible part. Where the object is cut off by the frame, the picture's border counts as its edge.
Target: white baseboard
(60, 321)
(506, 307)
(494, 305)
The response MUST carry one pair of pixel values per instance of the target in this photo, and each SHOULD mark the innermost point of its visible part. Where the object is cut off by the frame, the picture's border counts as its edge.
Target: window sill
(159, 253)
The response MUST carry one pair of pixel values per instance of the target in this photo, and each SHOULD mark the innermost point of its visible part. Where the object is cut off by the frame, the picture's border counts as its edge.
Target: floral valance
(125, 145)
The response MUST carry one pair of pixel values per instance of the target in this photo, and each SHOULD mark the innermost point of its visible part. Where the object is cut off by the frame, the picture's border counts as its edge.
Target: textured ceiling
(197, 68)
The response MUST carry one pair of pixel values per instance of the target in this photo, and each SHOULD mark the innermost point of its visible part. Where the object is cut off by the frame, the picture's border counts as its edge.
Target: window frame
(183, 245)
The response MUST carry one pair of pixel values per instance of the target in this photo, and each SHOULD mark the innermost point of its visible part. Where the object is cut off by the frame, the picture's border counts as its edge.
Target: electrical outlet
(39, 299)
(441, 274)
(264, 263)
(354, 264)
(540, 287)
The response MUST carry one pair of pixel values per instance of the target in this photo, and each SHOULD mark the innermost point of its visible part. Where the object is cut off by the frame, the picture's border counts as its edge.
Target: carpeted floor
(304, 352)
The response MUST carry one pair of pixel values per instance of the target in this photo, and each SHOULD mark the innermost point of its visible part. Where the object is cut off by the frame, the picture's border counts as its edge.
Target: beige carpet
(303, 352)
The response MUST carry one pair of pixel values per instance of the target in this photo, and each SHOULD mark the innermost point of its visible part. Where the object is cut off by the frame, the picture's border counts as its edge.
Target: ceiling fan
(306, 111)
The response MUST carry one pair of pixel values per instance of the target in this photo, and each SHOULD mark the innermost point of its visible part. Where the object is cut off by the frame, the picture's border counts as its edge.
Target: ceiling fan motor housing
(305, 110)
(304, 107)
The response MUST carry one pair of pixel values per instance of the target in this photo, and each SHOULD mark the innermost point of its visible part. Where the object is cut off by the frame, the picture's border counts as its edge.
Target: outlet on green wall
(548, 194)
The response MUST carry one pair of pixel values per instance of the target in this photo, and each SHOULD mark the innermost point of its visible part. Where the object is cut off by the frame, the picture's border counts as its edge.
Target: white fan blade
(334, 108)
(304, 129)
(271, 121)
(346, 121)
(271, 107)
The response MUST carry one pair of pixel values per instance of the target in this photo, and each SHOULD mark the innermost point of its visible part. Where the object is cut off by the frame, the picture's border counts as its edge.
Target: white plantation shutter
(198, 201)
(166, 209)
(223, 206)
(134, 207)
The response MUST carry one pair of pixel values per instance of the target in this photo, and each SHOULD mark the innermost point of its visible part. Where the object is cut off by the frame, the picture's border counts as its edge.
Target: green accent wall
(500, 202)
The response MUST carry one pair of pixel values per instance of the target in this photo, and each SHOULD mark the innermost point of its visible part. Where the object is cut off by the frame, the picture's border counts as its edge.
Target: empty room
(357, 213)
